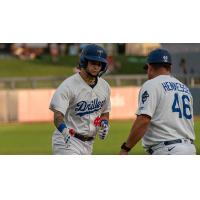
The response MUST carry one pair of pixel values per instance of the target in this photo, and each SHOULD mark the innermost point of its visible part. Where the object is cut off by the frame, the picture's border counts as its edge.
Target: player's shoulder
(68, 83)
(156, 82)
(172, 81)
(181, 85)
(70, 80)
(177, 81)
(103, 82)
(152, 83)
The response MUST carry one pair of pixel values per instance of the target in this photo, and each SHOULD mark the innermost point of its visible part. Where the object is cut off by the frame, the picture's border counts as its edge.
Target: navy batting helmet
(93, 52)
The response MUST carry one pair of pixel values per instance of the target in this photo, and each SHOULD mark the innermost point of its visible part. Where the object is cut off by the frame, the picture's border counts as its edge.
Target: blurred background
(42, 60)
(30, 73)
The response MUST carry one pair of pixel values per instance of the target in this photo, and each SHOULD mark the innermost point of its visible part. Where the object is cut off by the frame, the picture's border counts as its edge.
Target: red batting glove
(71, 132)
(97, 121)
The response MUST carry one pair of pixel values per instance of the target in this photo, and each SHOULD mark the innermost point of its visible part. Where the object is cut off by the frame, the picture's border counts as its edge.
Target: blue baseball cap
(159, 56)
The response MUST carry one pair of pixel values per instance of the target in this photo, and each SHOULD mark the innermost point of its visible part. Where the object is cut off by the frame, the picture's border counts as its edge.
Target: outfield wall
(32, 105)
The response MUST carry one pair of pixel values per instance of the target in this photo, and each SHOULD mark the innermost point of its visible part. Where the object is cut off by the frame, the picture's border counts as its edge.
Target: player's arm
(148, 97)
(105, 116)
(58, 118)
(103, 125)
(61, 126)
(138, 130)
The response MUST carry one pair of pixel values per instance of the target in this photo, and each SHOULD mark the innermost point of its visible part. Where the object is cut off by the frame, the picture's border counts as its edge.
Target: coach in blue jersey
(165, 111)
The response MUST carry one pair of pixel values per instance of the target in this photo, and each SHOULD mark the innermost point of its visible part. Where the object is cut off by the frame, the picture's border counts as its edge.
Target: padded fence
(33, 105)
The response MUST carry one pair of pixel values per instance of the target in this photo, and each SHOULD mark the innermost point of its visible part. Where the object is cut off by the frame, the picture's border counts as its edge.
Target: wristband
(61, 127)
(104, 121)
(124, 147)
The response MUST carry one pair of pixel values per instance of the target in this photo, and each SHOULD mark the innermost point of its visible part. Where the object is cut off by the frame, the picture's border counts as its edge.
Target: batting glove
(67, 133)
(103, 129)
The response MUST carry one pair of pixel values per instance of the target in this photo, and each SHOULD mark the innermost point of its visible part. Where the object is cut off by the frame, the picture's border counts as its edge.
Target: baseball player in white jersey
(165, 112)
(81, 105)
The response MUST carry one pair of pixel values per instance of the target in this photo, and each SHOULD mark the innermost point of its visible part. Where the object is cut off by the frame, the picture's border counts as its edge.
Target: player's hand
(67, 133)
(103, 129)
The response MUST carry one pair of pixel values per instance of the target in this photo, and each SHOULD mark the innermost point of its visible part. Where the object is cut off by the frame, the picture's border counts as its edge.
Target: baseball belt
(150, 150)
(177, 141)
(83, 138)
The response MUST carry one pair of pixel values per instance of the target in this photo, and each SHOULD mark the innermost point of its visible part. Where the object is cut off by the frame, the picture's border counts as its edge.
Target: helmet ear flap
(103, 69)
(83, 62)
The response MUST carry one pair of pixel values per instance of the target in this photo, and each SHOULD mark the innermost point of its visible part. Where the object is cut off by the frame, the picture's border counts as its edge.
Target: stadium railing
(192, 81)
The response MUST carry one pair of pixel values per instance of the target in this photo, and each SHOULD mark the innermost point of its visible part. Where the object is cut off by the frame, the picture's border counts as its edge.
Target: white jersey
(169, 103)
(80, 104)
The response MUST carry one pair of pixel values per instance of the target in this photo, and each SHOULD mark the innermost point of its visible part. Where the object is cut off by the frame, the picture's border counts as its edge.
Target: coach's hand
(103, 129)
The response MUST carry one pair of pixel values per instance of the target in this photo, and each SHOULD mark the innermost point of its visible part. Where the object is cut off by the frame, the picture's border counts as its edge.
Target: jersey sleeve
(107, 106)
(148, 99)
(60, 99)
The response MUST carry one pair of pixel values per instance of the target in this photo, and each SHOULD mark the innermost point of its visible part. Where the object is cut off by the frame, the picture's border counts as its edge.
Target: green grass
(35, 139)
(130, 64)
(25, 138)
(13, 67)
(119, 131)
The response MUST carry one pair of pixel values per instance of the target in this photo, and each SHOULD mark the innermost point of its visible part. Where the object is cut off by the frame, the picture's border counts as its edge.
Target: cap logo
(99, 52)
(165, 58)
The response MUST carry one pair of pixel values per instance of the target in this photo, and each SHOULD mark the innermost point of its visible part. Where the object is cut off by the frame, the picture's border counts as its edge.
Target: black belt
(83, 138)
(150, 150)
(176, 141)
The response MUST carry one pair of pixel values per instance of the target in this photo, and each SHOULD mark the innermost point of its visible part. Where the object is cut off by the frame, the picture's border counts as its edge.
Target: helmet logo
(165, 58)
(99, 52)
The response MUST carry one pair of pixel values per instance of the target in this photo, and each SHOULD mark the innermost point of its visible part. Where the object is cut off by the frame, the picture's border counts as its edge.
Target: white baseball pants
(183, 148)
(75, 147)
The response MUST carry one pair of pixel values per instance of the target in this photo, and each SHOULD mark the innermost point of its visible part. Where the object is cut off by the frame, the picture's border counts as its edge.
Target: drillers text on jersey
(84, 108)
(168, 86)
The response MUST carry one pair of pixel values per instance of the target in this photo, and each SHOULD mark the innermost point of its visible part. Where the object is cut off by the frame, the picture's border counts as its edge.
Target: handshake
(103, 127)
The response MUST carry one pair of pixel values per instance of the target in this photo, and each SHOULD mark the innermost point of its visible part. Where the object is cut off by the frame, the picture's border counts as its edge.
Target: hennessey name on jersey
(84, 108)
(168, 86)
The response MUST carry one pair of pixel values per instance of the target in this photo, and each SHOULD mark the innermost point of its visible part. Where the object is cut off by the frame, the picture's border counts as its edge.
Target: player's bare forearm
(58, 118)
(105, 116)
(138, 130)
